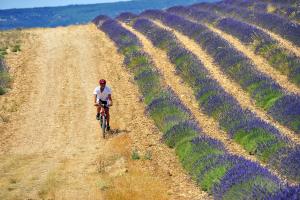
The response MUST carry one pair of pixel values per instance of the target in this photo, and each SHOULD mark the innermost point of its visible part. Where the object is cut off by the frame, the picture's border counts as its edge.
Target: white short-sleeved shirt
(102, 95)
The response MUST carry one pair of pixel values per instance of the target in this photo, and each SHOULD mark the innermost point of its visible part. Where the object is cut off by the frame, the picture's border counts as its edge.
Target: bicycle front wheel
(103, 126)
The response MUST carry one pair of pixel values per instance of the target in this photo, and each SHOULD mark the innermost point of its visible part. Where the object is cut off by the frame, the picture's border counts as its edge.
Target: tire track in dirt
(55, 147)
(228, 85)
(49, 128)
(260, 63)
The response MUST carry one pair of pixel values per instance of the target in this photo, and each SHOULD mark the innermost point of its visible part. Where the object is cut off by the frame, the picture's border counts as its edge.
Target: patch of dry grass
(124, 178)
(271, 9)
(53, 182)
(7, 108)
(4, 118)
(121, 145)
(137, 185)
(48, 190)
(10, 40)
(12, 170)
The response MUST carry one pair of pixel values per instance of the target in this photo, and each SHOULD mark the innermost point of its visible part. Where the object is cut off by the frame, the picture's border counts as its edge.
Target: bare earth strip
(229, 86)
(286, 44)
(260, 63)
(185, 93)
(52, 148)
(283, 42)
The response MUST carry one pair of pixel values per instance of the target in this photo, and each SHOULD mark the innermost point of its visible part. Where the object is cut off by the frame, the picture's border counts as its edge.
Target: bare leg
(107, 116)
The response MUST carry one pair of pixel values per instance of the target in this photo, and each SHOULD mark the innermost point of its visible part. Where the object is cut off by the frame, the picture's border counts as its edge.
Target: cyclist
(102, 95)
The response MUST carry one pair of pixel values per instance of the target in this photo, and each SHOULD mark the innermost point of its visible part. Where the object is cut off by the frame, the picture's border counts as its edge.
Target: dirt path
(260, 63)
(45, 142)
(229, 86)
(52, 148)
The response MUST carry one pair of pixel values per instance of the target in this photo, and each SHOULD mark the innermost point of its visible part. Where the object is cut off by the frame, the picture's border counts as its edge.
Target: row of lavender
(293, 3)
(256, 136)
(285, 10)
(267, 94)
(281, 59)
(205, 158)
(275, 23)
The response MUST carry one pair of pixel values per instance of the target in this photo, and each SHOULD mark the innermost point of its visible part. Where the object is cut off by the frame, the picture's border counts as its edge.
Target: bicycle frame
(103, 119)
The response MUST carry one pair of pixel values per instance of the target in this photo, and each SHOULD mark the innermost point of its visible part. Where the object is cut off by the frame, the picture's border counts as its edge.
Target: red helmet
(102, 81)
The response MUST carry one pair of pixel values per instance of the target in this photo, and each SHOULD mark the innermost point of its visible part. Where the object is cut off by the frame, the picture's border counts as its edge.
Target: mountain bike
(103, 118)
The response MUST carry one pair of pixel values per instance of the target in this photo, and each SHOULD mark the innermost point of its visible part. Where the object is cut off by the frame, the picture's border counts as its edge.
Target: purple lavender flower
(157, 36)
(199, 15)
(218, 104)
(212, 161)
(183, 130)
(241, 172)
(264, 44)
(289, 192)
(167, 99)
(278, 24)
(245, 32)
(213, 143)
(122, 37)
(289, 107)
(290, 163)
(100, 19)
(232, 62)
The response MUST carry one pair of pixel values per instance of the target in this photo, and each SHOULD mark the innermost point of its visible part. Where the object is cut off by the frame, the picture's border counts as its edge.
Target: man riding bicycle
(102, 95)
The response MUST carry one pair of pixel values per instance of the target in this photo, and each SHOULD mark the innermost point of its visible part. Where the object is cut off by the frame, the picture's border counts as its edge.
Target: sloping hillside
(206, 106)
(51, 147)
(78, 14)
(240, 64)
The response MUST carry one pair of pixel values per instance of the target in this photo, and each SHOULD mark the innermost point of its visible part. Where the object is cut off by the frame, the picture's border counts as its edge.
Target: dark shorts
(104, 102)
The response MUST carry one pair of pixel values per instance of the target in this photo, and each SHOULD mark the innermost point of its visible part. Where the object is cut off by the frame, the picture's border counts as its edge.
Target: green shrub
(245, 189)
(161, 115)
(213, 177)
(267, 97)
(3, 52)
(16, 48)
(251, 141)
(130, 50)
(2, 90)
(148, 155)
(135, 155)
(5, 81)
(179, 134)
(189, 153)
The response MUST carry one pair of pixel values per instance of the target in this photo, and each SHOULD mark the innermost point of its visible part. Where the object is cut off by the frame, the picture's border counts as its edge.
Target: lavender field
(251, 107)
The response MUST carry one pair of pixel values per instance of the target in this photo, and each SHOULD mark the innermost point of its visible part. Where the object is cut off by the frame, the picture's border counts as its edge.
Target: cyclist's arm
(95, 98)
(110, 99)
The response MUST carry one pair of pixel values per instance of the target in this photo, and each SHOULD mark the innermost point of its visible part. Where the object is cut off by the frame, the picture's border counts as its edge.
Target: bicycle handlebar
(102, 105)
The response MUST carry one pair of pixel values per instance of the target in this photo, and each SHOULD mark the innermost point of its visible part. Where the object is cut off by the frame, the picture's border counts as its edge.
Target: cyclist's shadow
(115, 132)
